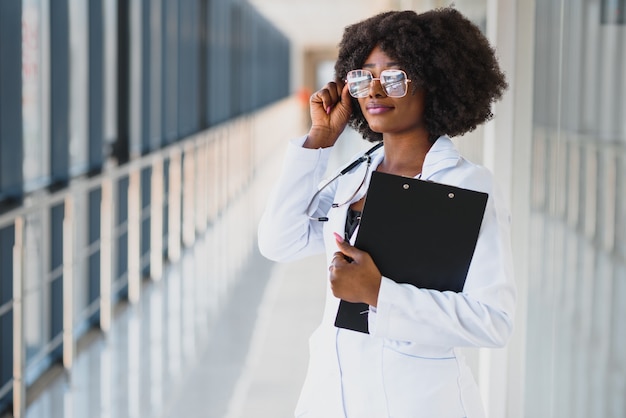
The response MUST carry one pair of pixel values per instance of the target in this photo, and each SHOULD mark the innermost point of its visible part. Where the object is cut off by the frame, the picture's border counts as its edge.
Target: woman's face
(388, 115)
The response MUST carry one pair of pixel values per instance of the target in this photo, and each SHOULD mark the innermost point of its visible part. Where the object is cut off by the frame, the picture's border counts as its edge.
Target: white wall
(506, 151)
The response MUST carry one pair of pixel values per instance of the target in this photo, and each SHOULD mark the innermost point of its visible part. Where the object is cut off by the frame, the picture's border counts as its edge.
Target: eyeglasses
(394, 83)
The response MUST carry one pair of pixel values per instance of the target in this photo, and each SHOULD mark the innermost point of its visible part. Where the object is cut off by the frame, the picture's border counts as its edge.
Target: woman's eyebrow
(388, 64)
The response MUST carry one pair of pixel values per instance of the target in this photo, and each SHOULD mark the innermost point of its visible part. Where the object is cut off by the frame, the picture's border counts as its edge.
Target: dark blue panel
(95, 198)
(613, 12)
(56, 312)
(188, 67)
(166, 189)
(169, 101)
(7, 239)
(203, 63)
(96, 85)
(56, 236)
(122, 239)
(121, 146)
(146, 69)
(146, 200)
(235, 37)
(59, 90)
(218, 94)
(11, 153)
(6, 321)
(6, 355)
(56, 260)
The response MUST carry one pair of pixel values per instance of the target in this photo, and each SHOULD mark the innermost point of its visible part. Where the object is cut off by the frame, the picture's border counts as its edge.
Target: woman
(419, 79)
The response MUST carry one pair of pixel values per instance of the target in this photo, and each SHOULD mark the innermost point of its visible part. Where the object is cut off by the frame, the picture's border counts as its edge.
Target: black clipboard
(417, 232)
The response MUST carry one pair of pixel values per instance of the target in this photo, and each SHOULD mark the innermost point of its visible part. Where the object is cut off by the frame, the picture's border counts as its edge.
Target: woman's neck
(404, 156)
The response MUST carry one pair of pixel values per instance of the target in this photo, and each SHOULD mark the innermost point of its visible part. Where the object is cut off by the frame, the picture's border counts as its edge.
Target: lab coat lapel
(442, 155)
(346, 186)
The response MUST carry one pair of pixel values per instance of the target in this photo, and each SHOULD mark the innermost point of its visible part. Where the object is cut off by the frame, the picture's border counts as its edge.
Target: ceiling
(315, 23)
(315, 27)
(320, 23)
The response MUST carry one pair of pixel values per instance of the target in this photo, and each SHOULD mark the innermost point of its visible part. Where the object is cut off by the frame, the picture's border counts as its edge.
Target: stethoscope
(366, 157)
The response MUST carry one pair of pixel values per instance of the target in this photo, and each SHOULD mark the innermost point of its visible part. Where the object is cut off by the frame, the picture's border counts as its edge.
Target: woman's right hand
(331, 108)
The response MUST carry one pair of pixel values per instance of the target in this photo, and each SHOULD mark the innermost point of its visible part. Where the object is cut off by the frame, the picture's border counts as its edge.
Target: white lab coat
(409, 366)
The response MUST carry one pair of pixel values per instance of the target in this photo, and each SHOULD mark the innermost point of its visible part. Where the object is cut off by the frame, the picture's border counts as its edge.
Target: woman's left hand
(353, 275)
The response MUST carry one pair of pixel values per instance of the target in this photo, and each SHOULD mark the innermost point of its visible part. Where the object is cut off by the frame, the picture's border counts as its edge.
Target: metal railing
(204, 173)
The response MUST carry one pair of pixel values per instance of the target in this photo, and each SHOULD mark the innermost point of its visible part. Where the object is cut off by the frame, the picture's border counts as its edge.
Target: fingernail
(328, 110)
(338, 237)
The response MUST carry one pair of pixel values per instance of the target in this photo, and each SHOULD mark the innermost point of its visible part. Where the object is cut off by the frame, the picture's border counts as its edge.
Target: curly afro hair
(443, 53)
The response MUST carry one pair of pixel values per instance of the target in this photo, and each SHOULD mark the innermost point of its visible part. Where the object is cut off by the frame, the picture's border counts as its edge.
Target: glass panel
(575, 353)
(135, 78)
(35, 94)
(156, 73)
(79, 87)
(110, 71)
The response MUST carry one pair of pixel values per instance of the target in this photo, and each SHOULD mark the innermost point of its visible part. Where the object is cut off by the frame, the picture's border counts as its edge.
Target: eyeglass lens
(393, 82)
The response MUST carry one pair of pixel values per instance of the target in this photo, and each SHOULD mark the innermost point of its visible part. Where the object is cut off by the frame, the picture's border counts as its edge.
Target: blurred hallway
(138, 141)
(185, 352)
(224, 332)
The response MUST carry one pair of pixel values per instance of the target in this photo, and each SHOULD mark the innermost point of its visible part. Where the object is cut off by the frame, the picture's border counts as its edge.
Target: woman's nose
(376, 89)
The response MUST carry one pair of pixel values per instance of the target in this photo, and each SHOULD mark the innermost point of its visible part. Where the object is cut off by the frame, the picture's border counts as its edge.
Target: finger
(326, 96)
(334, 95)
(343, 244)
(343, 100)
(349, 252)
(319, 97)
(337, 260)
(345, 92)
(338, 238)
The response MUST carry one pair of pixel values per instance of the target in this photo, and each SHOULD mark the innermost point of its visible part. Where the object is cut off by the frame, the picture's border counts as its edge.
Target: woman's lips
(377, 108)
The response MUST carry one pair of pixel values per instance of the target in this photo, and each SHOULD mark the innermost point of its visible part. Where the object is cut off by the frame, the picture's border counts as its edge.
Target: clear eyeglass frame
(393, 81)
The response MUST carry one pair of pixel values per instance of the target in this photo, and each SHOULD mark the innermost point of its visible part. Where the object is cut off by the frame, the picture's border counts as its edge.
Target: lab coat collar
(442, 155)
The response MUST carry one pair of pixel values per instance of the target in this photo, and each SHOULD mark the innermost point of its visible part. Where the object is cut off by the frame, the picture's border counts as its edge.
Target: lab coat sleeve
(480, 316)
(285, 231)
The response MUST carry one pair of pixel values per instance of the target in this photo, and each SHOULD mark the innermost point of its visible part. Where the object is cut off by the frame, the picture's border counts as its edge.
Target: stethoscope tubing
(365, 157)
